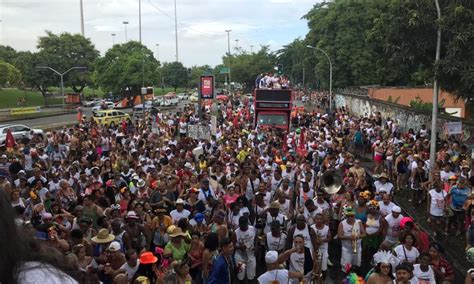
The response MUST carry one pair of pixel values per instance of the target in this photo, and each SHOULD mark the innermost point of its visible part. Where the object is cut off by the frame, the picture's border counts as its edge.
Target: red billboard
(206, 87)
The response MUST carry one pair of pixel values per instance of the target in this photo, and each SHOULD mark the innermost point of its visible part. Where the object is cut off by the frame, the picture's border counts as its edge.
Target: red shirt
(444, 267)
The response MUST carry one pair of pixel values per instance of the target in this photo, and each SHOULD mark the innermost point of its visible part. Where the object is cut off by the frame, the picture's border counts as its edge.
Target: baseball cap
(199, 217)
(114, 246)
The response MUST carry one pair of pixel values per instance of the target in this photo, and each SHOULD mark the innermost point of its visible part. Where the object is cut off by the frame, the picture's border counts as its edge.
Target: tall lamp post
(113, 38)
(125, 23)
(434, 116)
(61, 75)
(330, 73)
(176, 29)
(82, 17)
(228, 54)
(140, 20)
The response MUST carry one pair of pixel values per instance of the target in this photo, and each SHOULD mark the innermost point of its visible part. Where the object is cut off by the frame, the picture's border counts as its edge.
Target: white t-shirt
(176, 216)
(130, 271)
(437, 202)
(445, 175)
(274, 243)
(386, 209)
(427, 277)
(387, 187)
(280, 275)
(393, 228)
(411, 255)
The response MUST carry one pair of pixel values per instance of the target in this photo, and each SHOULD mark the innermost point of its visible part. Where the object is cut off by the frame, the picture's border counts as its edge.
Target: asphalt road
(59, 120)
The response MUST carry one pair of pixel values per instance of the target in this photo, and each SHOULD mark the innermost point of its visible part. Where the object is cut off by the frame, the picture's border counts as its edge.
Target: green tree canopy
(245, 67)
(175, 74)
(126, 66)
(9, 75)
(62, 52)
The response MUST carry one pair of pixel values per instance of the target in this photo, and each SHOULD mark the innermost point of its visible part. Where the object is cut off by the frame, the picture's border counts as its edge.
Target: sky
(201, 24)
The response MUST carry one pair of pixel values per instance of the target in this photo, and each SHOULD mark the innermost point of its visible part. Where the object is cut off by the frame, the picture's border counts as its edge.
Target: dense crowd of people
(141, 202)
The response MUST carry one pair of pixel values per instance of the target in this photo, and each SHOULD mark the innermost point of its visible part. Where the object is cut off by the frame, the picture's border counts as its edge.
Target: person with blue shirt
(223, 269)
(459, 194)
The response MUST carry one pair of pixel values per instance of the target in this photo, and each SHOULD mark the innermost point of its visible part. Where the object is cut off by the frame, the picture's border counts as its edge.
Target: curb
(48, 115)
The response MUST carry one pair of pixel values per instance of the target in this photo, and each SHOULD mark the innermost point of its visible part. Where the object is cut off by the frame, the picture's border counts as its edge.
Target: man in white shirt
(394, 228)
(383, 185)
(130, 267)
(386, 205)
(179, 212)
(274, 274)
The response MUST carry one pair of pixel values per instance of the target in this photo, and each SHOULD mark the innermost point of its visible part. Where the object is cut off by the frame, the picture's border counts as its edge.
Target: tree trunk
(44, 92)
(78, 89)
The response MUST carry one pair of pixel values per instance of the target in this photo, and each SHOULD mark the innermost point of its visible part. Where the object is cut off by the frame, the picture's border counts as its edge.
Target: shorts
(378, 158)
(248, 268)
(349, 257)
(437, 219)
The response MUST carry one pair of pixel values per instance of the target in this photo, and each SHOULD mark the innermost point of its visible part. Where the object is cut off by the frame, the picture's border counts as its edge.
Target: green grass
(9, 98)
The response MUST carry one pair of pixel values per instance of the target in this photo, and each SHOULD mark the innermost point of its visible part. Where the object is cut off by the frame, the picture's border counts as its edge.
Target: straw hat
(103, 237)
(177, 232)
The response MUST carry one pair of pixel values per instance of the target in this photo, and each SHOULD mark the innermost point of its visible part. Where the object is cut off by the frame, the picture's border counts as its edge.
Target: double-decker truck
(273, 108)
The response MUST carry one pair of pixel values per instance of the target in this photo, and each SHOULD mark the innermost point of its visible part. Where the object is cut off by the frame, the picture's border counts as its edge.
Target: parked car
(110, 117)
(138, 110)
(19, 131)
(103, 106)
(182, 96)
(193, 98)
(93, 102)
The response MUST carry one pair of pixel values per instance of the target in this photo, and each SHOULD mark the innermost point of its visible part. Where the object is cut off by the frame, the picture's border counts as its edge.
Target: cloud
(201, 24)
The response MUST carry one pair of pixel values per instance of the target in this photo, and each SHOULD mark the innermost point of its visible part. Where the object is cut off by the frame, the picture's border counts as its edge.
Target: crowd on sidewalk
(141, 202)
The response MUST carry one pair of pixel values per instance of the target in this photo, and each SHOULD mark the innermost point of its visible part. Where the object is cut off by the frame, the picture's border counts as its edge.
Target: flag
(10, 141)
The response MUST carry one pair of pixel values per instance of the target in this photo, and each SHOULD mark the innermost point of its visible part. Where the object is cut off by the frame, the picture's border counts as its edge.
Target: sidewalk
(454, 246)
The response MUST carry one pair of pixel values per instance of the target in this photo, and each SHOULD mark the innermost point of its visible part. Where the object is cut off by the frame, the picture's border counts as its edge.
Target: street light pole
(176, 29)
(251, 49)
(140, 20)
(82, 18)
(228, 54)
(125, 23)
(434, 115)
(237, 44)
(61, 75)
(113, 38)
(330, 73)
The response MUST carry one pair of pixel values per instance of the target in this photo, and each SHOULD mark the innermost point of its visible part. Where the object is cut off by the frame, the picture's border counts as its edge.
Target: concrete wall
(406, 117)
(406, 95)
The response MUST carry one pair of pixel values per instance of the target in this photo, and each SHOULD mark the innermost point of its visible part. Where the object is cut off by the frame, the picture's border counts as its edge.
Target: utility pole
(82, 18)
(176, 29)
(125, 23)
(228, 54)
(140, 20)
(434, 115)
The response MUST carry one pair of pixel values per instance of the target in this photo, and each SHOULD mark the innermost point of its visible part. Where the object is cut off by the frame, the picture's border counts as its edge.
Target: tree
(9, 75)
(125, 67)
(246, 67)
(175, 74)
(62, 52)
(340, 28)
(196, 73)
(297, 61)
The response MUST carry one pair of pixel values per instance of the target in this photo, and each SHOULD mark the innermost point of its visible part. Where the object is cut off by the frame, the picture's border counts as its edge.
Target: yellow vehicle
(110, 117)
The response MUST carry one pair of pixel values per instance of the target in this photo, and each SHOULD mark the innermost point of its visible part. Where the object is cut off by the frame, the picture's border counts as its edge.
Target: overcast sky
(201, 24)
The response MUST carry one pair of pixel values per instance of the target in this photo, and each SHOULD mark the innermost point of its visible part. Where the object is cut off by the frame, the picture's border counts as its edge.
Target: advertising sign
(206, 87)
